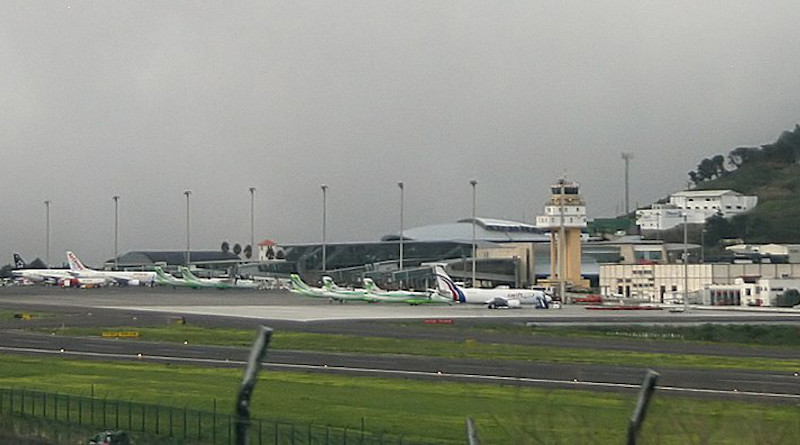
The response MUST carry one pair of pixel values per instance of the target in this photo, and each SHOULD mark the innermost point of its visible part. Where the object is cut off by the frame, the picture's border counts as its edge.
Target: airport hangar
(507, 253)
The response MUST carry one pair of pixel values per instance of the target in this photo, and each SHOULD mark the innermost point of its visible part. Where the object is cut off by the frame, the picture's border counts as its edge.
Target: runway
(286, 311)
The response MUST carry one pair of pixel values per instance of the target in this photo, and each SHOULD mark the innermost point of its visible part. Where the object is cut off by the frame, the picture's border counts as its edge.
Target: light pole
(188, 237)
(324, 188)
(627, 158)
(561, 252)
(473, 183)
(47, 231)
(252, 218)
(685, 262)
(116, 231)
(401, 185)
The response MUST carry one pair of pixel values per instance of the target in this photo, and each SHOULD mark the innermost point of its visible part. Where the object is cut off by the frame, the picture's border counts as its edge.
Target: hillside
(772, 173)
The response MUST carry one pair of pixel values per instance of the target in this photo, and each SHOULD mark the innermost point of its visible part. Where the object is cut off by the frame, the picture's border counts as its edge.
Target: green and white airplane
(328, 291)
(216, 283)
(402, 296)
(166, 279)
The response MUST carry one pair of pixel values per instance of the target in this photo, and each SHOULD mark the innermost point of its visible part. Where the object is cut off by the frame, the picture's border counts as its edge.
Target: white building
(698, 205)
(659, 283)
(748, 292)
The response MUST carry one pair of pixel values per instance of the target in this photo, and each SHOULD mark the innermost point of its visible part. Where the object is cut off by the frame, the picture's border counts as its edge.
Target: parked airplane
(492, 298)
(125, 278)
(61, 277)
(300, 287)
(166, 279)
(341, 293)
(218, 283)
(51, 276)
(402, 296)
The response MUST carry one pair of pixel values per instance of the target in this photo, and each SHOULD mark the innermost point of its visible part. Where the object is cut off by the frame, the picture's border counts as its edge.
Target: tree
(237, 249)
(226, 247)
(719, 165)
(248, 251)
(694, 178)
(743, 155)
(790, 298)
(706, 169)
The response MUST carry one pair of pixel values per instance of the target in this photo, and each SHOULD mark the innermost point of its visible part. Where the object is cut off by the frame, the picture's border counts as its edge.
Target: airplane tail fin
(19, 263)
(187, 273)
(446, 287)
(297, 282)
(370, 285)
(329, 284)
(74, 263)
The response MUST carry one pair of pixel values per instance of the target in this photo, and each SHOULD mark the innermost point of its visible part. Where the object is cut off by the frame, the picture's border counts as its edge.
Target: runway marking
(487, 378)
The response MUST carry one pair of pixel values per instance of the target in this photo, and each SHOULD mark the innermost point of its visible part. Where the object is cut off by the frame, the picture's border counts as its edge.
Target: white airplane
(61, 277)
(125, 278)
(52, 276)
(492, 298)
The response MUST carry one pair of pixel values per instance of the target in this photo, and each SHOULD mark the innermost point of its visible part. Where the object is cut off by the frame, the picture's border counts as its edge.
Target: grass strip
(434, 411)
(465, 349)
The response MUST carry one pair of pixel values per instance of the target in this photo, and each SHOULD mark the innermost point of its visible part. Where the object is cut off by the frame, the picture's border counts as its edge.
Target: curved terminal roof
(486, 229)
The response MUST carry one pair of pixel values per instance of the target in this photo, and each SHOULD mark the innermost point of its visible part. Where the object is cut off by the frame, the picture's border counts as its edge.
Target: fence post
(184, 422)
(214, 423)
(637, 418)
(472, 432)
(257, 355)
(157, 419)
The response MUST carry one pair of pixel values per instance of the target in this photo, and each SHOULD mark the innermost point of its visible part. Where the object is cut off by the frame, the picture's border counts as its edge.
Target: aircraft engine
(514, 303)
(133, 282)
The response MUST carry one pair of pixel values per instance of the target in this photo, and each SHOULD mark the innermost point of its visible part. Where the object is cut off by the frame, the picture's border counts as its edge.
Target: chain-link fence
(59, 418)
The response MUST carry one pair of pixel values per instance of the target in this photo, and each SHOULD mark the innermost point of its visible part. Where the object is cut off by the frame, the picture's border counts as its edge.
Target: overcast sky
(145, 99)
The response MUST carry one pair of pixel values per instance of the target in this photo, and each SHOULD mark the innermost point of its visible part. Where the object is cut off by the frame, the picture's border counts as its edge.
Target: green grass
(772, 335)
(464, 349)
(415, 409)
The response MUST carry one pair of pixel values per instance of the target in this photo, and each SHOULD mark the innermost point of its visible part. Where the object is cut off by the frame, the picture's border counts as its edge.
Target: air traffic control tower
(564, 217)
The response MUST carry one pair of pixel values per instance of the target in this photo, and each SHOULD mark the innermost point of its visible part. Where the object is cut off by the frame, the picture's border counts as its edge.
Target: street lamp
(401, 185)
(47, 231)
(685, 262)
(324, 188)
(473, 183)
(188, 237)
(252, 237)
(116, 231)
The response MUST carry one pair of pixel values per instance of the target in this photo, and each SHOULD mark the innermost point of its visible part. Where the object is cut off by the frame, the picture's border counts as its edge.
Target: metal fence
(178, 425)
